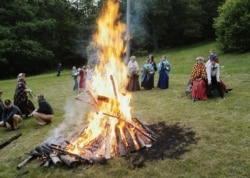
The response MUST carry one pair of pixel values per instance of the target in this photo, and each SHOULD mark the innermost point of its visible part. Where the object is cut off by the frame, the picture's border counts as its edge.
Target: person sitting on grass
(198, 80)
(44, 113)
(1, 105)
(11, 116)
(213, 77)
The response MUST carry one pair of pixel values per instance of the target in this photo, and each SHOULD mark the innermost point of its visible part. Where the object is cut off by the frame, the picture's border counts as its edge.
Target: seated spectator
(44, 113)
(214, 56)
(11, 116)
(213, 76)
(198, 80)
(1, 105)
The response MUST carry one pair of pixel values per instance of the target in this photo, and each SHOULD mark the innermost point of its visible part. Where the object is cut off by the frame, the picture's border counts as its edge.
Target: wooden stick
(91, 104)
(113, 84)
(143, 132)
(19, 166)
(10, 140)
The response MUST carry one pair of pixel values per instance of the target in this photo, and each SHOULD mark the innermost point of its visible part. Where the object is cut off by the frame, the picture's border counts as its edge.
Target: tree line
(36, 35)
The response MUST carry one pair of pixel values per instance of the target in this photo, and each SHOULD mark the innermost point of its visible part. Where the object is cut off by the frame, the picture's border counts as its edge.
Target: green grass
(202, 139)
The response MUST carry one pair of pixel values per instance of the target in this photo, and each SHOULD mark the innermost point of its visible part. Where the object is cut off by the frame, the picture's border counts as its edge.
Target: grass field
(202, 139)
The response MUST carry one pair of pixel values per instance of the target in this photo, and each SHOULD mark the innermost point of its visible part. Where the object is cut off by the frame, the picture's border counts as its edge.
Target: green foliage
(157, 24)
(35, 35)
(232, 25)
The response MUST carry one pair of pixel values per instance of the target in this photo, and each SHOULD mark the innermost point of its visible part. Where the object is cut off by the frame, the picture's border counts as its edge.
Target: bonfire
(111, 130)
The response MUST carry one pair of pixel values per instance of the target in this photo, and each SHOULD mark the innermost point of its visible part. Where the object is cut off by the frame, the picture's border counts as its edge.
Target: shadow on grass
(172, 141)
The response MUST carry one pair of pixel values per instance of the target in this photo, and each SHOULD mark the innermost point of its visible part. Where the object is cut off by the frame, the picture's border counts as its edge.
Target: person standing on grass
(82, 80)
(44, 113)
(164, 69)
(133, 75)
(147, 75)
(11, 117)
(75, 75)
(59, 69)
(21, 96)
(198, 80)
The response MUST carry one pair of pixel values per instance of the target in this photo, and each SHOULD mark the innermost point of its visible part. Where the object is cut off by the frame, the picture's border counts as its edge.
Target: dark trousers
(218, 86)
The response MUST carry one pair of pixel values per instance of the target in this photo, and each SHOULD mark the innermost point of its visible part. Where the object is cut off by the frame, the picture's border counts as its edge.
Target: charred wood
(69, 160)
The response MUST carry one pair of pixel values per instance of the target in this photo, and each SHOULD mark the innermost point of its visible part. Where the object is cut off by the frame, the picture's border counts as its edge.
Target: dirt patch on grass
(172, 141)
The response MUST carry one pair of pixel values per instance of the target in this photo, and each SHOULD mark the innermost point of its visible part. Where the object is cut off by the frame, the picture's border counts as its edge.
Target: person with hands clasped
(21, 96)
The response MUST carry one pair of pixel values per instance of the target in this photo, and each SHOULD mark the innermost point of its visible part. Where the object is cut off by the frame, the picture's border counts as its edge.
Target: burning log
(140, 129)
(120, 144)
(128, 139)
(113, 84)
(79, 157)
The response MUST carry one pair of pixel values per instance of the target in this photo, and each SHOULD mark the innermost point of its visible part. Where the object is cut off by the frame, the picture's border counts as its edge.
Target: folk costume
(147, 76)
(21, 97)
(82, 80)
(75, 75)
(198, 78)
(164, 69)
(152, 62)
(133, 75)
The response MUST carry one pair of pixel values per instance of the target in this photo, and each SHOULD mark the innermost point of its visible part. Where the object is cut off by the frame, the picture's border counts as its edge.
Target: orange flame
(109, 80)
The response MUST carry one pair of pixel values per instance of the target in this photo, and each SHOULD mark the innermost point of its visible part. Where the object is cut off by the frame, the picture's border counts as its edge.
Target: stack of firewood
(54, 155)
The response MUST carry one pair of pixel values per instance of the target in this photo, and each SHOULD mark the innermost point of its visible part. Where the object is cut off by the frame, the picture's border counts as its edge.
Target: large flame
(109, 80)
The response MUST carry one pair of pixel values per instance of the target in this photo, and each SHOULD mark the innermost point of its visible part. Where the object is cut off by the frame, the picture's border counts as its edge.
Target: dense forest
(36, 35)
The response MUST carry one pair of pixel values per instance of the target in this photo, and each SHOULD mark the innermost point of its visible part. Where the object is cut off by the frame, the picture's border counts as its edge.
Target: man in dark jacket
(11, 116)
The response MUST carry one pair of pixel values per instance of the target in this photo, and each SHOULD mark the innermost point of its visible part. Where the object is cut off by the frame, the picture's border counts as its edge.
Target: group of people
(12, 114)
(84, 74)
(206, 77)
(148, 71)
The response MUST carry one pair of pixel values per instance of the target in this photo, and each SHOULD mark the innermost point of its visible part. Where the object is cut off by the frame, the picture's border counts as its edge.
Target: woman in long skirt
(147, 75)
(164, 69)
(133, 75)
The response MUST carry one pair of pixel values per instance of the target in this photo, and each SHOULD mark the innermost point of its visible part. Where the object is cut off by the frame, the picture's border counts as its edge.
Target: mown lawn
(202, 139)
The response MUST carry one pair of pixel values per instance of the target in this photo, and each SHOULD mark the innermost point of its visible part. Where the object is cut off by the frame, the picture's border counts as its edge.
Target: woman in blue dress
(147, 76)
(164, 69)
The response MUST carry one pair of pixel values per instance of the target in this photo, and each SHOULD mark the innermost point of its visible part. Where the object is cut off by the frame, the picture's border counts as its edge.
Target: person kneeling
(11, 116)
(44, 113)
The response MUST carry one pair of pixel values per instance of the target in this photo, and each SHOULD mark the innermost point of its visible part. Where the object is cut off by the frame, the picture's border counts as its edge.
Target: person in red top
(198, 80)
(82, 80)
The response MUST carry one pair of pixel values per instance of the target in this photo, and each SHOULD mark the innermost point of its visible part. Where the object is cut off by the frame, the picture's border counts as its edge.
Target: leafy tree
(18, 38)
(233, 24)
(37, 34)
(168, 23)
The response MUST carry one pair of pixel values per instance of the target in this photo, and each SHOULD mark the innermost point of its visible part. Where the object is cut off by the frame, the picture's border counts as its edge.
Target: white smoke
(75, 120)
